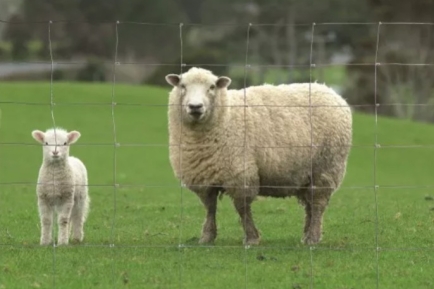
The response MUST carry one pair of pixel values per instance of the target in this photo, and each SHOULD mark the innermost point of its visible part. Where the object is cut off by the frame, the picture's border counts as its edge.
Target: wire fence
(116, 144)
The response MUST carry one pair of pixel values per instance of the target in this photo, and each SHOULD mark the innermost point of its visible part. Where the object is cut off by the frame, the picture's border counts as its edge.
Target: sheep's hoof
(251, 241)
(311, 239)
(207, 239)
(45, 243)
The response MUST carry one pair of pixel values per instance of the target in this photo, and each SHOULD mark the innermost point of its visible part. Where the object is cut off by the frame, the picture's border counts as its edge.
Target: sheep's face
(55, 143)
(197, 95)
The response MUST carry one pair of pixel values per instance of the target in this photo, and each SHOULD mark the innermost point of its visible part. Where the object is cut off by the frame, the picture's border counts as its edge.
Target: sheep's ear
(173, 79)
(38, 136)
(73, 136)
(223, 82)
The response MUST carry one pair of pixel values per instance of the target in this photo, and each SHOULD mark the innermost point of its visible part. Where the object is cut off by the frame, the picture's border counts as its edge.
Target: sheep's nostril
(55, 153)
(195, 107)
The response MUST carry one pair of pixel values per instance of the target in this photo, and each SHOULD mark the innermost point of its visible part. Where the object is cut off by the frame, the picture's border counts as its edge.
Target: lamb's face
(55, 143)
(197, 92)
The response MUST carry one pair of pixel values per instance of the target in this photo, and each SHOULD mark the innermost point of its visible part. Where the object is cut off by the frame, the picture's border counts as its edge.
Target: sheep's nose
(195, 107)
(55, 153)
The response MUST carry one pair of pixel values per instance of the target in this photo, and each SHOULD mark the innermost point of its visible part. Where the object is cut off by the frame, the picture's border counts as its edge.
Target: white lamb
(62, 186)
(277, 141)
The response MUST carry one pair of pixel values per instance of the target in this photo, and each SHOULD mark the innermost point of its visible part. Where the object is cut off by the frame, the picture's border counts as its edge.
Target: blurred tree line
(215, 32)
(403, 86)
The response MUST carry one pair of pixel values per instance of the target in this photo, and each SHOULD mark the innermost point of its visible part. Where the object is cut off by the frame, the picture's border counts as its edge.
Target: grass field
(147, 216)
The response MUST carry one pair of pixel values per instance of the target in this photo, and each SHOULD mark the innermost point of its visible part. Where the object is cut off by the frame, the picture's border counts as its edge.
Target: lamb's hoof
(311, 239)
(252, 241)
(45, 243)
(207, 239)
(62, 243)
(76, 240)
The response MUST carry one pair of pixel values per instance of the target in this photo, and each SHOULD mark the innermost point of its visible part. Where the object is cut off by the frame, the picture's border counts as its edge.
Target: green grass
(146, 223)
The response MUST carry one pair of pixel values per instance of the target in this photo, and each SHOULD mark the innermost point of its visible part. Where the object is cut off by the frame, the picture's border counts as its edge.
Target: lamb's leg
(243, 207)
(78, 218)
(63, 220)
(316, 204)
(209, 228)
(46, 213)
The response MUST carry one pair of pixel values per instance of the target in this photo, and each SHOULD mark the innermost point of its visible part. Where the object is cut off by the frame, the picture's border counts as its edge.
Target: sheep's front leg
(64, 218)
(243, 207)
(209, 228)
(46, 212)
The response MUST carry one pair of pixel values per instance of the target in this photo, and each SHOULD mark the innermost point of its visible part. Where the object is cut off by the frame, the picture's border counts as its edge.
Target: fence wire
(55, 140)
(375, 159)
(116, 185)
(312, 184)
(115, 146)
(181, 185)
(245, 187)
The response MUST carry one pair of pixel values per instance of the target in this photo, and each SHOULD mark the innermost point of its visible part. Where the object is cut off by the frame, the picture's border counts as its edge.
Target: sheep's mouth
(196, 115)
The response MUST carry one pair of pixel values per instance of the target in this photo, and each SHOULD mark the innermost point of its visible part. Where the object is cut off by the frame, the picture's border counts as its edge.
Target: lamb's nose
(55, 153)
(195, 107)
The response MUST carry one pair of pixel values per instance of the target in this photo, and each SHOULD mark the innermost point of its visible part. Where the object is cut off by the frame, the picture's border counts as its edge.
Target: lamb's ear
(73, 136)
(38, 136)
(173, 79)
(223, 82)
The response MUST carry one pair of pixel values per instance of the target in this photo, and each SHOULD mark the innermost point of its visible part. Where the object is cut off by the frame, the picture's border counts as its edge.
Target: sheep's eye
(212, 87)
(65, 144)
(182, 86)
(46, 143)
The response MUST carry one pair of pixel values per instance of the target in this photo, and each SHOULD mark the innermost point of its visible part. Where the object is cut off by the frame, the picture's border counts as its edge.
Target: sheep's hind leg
(316, 201)
(308, 216)
(243, 207)
(209, 228)
(302, 199)
(46, 213)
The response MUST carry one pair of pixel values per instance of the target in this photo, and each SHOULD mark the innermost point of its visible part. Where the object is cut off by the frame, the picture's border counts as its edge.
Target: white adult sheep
(62, 186)
(270, 150)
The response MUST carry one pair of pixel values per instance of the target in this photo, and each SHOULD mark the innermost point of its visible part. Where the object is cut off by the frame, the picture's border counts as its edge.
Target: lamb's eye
(212, 87)
(182, 86)
(65, 144)
(46, 143)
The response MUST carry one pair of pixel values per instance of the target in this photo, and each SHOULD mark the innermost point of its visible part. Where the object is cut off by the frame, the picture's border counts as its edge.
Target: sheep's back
(282, 127)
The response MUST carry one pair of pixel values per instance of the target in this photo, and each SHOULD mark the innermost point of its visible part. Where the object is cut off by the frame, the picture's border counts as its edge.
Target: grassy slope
(159, 215)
